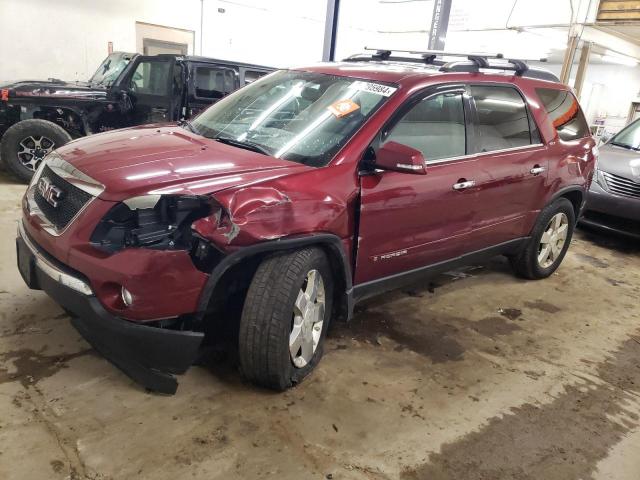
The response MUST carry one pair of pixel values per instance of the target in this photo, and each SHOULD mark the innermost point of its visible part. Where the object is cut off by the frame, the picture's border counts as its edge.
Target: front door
(512, 166)
(411, 221)
(153, 87)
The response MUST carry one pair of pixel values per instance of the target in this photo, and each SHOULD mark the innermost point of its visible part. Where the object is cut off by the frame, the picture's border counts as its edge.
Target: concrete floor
(478, 375)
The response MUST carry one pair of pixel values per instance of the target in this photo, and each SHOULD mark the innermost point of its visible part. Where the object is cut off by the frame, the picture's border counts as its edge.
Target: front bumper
(612, 213)
(149, 355)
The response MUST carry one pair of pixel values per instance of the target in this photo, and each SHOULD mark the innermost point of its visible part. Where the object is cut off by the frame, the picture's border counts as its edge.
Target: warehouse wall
(608, 92)
(68, 38)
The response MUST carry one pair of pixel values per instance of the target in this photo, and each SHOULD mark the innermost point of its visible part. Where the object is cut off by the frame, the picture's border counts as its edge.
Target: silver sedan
(613, 203)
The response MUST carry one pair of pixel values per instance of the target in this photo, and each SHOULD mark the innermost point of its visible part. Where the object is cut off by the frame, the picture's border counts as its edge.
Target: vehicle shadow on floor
(611, 241)
(6, 179)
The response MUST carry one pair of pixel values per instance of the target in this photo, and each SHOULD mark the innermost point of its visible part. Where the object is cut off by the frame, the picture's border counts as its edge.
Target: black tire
(17, 133)
(267, 318)
(526, 263)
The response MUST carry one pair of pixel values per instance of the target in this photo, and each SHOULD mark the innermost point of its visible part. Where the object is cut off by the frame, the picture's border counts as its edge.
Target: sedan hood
(168, 159)
(620, 161)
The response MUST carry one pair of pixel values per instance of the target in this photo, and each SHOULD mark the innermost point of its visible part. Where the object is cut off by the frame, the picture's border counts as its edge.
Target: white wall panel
(68, 38)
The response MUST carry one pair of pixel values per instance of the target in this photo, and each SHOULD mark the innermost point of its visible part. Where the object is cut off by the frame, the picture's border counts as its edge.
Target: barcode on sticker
(377, 88)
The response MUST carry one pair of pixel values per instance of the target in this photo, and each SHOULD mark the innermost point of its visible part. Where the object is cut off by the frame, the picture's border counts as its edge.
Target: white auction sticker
(377, 88)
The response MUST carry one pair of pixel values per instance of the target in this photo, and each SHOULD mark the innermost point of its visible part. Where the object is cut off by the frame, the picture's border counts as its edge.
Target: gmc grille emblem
(50, 192)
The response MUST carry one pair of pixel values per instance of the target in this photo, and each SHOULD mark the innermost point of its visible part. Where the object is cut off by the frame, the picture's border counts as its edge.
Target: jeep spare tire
(25, 144)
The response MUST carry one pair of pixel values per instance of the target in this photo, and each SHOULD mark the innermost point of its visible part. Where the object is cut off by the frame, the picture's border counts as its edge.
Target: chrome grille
(67, 207)
(621, 185)
(58, 193)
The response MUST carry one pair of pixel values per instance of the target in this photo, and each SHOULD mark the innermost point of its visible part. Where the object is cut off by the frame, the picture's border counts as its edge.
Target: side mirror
(400, 158)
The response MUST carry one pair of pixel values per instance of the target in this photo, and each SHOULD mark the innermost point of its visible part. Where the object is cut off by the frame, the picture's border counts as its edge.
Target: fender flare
(33, 110)
(333, 242)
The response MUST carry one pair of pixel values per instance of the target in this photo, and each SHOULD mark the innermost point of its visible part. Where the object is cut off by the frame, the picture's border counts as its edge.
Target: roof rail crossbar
(381, 55)
(520, 66)
(473, 61)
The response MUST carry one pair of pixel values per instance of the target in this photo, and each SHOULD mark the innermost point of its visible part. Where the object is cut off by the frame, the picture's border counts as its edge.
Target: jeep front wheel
(25, 144)
(285, 318)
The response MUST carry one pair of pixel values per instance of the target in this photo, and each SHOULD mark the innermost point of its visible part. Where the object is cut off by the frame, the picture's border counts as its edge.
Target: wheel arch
(575, 194)
(67, 118)
(70, 119)
(241, 265)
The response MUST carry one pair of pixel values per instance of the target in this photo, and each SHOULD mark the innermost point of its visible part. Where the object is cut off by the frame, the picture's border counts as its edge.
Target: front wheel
(25, 144)
(550, 239)
(285, 318)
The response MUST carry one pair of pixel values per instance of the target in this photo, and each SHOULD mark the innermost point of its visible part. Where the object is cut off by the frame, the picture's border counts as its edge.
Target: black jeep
(127, 89)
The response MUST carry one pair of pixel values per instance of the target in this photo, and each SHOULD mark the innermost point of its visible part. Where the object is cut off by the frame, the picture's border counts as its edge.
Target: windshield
(110, 69)
(628, 137)
(299, 116)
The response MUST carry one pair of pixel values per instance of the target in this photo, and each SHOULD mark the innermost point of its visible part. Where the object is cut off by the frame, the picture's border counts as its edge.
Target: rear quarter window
(565, 113)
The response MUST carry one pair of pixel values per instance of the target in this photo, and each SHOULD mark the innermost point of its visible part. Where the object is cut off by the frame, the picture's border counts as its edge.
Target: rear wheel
(549, 241)
(25, 144)
(285, 318)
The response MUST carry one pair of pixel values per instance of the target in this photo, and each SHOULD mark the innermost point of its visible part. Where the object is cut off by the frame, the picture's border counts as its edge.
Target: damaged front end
(149, 353)
(159, 222)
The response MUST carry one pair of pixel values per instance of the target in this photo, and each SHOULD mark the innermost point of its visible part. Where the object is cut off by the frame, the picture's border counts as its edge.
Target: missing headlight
(162, 224)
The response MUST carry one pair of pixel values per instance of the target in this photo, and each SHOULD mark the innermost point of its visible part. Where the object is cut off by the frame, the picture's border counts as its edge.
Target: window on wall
(213, 82)
(502, 118)
(151, 77)
(435, 126)
(565, 113)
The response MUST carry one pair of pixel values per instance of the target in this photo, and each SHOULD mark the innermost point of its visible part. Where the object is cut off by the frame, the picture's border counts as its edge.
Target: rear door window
(502, 121)
(565, 113)
(435, 126)
(213, 82)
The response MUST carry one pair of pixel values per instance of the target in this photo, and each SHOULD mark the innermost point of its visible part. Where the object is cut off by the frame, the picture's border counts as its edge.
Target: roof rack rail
(473, 61)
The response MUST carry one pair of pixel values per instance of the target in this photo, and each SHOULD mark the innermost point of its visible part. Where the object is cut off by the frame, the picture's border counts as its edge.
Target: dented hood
(170, 160)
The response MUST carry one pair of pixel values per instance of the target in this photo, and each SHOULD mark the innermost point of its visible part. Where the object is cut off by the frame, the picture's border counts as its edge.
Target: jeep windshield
(298, 116)
(110, 69)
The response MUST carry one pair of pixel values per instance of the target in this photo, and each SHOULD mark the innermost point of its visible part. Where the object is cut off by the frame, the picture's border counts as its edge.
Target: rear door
(209, 83)
(411, 221)
(512, 165)
(153, 86)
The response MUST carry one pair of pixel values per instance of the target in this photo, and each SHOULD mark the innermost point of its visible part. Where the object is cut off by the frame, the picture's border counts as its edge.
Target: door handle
(537, 170)
(464, 185)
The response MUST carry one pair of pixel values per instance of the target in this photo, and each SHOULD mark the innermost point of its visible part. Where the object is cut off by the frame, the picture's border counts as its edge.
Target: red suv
(301, 194)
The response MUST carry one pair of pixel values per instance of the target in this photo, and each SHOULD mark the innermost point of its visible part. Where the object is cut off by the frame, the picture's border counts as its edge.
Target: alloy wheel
(308, 318)
(33, 149)
(553, 239)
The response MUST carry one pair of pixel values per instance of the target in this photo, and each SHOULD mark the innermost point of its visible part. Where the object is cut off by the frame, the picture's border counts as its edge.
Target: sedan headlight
(151, 221)
(597, 175)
